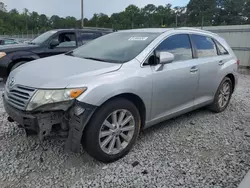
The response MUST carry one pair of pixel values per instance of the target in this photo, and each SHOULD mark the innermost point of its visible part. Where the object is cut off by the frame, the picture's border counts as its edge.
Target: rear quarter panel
(230, 67)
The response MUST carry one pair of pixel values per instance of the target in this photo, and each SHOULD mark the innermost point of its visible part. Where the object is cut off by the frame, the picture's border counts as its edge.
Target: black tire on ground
(17, 65)
(215, 107)
(91, 133)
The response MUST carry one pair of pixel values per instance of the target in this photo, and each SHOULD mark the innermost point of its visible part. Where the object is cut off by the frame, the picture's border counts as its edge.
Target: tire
(17, 65)
(216, 105)
(4, 80)
(91, 137)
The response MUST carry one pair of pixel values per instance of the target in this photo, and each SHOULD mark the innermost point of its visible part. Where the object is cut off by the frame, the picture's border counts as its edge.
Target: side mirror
(165, 57)
(54, 43)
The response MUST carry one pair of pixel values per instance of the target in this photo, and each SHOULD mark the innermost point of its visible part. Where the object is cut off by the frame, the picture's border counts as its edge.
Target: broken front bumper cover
(74, 120)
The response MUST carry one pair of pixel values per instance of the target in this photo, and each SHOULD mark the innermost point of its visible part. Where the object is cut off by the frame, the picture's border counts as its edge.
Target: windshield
(42, 38)
(118, 47)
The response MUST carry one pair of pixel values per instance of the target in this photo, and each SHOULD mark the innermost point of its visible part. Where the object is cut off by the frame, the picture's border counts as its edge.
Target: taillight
(238, 62)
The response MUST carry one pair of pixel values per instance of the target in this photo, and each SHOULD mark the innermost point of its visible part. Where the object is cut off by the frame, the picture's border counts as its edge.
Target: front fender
(103, 88)
(22, 55)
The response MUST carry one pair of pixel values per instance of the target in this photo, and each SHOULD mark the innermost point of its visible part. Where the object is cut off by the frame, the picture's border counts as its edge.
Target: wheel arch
(21, 56)
(136, 100)
(232, 78)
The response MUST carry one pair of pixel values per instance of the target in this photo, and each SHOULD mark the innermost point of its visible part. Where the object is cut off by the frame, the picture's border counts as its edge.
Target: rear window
(204, 45)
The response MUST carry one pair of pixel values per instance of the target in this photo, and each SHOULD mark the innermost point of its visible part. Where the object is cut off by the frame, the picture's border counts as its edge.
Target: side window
(9, 42)
(221, 49)
(88, 36)
(66, 40)
(204, 45)
(179, 45)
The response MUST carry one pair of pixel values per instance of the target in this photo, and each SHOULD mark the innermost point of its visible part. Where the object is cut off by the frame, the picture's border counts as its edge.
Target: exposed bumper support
(74, 121)
(77, 123)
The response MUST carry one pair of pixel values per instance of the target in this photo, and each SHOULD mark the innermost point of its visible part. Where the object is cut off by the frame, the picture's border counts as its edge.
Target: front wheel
(112, 131)
(17, 65)
(223, 96)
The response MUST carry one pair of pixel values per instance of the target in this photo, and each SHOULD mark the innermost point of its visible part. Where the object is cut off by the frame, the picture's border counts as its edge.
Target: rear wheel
(112, 131)
(223, 96)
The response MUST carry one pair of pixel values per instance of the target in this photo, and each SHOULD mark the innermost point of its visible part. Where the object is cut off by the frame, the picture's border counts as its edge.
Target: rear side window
(221, 49)
(87, 36)
(204, 45)
(179, 45)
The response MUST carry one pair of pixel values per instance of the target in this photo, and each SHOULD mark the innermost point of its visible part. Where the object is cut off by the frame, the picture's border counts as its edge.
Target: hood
(59, 71)
(16, 47)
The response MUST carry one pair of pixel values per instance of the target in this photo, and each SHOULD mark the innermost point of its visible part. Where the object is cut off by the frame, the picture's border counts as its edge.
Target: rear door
(209, 66)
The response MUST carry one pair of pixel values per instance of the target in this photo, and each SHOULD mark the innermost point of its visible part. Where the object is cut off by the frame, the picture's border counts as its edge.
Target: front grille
(19, 96)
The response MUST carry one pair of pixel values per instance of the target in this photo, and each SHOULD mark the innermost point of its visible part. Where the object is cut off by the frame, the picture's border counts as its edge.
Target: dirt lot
(199, 149)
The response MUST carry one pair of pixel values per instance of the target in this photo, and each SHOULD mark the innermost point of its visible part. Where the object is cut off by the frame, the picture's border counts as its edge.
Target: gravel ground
(199, 149)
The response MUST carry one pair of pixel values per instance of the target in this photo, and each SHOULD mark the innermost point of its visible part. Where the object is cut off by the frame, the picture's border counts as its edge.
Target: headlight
(2, 54)
(43, 97)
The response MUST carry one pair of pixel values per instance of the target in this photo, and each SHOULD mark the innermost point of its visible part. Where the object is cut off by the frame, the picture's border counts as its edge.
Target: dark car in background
(50, 43)
(8, 41)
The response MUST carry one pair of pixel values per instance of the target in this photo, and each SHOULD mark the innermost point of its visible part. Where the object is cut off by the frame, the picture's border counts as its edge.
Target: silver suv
(105, 92)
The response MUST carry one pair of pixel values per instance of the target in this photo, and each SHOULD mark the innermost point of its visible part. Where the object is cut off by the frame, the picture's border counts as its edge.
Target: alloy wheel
(224, 95)
(116, 131)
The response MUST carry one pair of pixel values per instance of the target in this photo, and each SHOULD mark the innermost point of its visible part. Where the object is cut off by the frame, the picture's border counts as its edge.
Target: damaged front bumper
(74, 120)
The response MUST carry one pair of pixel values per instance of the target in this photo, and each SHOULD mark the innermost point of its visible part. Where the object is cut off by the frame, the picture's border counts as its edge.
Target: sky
(65, 8)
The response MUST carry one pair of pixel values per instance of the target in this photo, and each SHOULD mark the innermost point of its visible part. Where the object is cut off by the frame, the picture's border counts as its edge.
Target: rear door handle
(194, 69)
(221, 63)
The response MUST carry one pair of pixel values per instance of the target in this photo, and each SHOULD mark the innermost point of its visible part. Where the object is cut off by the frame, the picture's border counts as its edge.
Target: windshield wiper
(95, 59)
(70, 53)
(32, 43)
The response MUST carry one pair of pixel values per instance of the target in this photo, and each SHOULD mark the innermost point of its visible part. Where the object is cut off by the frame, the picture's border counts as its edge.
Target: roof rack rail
(196, 29)
(99, 28)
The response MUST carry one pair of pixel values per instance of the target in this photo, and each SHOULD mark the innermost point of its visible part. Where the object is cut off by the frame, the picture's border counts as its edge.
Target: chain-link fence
(22, 36)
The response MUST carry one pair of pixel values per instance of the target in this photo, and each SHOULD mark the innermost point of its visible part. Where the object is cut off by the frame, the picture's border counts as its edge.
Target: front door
(67, 42)
(174, 84)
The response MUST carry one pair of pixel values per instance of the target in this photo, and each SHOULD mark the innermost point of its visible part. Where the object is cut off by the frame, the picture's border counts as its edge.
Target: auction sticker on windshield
(138, 38)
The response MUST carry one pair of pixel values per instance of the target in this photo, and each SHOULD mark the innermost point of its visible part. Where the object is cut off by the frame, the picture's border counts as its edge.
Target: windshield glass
(43, 37)
(118, 47)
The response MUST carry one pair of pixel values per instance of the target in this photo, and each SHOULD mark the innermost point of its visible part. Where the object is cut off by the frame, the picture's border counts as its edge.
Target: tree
(197, 13)
(201, 11)
(148, 14)
(3, 7)
(133, 15)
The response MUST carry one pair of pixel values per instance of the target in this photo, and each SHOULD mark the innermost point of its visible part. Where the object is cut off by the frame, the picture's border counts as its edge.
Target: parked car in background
(105, 92)
(48, 44)
(8, 41)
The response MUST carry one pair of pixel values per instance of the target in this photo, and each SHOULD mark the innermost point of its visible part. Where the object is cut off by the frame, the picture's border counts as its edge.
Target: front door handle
(221, 63)
(194, 69)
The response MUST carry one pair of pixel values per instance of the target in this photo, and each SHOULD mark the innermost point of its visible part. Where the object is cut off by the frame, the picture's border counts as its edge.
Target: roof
(150, 30)
(87, 29)
(163, 30)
